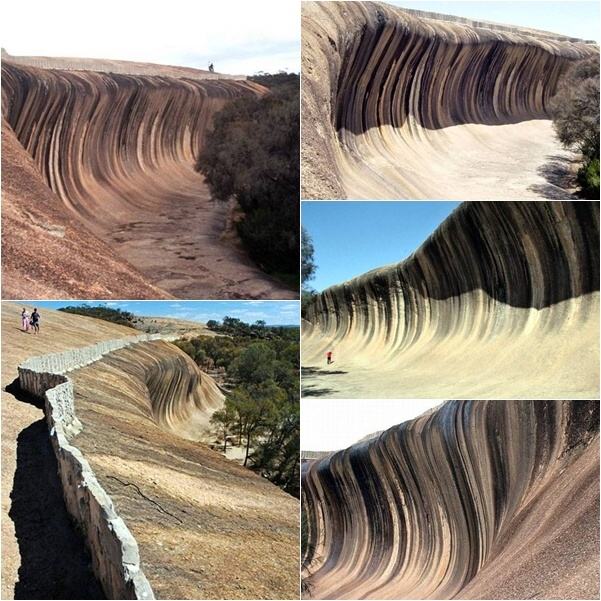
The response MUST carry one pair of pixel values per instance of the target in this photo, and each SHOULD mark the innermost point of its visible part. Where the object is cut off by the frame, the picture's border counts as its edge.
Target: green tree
(255, 364)
(254, 407)
(252, 155)
(224, 420)
(308, 267)
(575, 112)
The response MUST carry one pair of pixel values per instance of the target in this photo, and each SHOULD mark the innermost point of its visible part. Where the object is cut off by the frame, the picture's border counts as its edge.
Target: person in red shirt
(329, 357)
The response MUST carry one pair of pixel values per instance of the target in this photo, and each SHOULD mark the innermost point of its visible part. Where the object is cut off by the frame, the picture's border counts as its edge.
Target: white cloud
(238, 36)
(354, 419)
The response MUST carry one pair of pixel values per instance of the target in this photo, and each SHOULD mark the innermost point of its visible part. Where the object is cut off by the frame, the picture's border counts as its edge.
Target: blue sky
(238, 36)
(272, 312)
(576, 19)
(353, 237)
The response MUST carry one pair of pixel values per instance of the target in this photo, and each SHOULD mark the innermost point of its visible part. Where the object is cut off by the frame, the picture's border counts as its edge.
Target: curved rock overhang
(494, 278)
(379, 82)
(109, 143)
(446, 505)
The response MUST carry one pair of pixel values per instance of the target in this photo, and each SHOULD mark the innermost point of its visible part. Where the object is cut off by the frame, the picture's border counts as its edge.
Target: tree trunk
(247, 448)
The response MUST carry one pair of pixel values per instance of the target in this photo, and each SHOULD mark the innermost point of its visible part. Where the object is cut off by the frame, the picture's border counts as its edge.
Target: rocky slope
(114, 146)
(39, 556)
(206, 527)
(399, 103)
(478, 500)
(501, 300)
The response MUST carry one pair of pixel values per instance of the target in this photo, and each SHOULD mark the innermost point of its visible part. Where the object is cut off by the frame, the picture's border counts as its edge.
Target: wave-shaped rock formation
(170, 387)
(478, 500)
(206, 527)
(501, 300)
(401, 103)
(115, 143)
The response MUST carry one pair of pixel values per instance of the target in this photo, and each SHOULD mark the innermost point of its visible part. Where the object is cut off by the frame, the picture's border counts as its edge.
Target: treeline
(236, 327)
(261, 412)
(308, 270)
(575, 112)
(123, 318)
(252, 155)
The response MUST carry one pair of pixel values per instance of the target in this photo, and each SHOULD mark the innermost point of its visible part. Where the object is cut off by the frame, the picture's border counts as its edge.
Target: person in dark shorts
(35, 321)
(329, 357)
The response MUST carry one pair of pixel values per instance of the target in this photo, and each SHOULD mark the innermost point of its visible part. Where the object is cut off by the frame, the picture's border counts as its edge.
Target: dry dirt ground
(42, 556)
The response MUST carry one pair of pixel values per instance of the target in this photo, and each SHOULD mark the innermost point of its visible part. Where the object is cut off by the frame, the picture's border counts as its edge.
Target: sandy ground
(35, 525)
(180, 243)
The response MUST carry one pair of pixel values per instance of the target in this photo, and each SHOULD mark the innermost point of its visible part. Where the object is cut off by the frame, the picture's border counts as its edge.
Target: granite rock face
(98, 136)
(391, 95)
(502, 299)
(478, 499)
(175, 389)
(101, 195)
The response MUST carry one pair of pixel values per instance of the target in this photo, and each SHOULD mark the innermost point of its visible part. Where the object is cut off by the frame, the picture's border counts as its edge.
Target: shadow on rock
(315, 371)
(54, 561)
(558, 171)
(308, 390)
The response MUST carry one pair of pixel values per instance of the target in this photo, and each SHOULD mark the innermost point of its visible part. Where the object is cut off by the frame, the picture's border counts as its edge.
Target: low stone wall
(114, 550)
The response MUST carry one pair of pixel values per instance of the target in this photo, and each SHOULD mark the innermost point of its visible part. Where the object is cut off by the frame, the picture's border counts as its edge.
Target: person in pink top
(329, 357)
(25, 319)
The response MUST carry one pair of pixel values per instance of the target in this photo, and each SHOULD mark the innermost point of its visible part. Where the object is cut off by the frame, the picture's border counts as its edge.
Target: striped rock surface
(407, 104)
(478, 500)
(118, 150)
(206, 527)
(502, 300)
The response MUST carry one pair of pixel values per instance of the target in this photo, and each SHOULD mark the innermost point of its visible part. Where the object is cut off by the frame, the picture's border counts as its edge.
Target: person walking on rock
(25, 319)
(329, 357)
(35, 321)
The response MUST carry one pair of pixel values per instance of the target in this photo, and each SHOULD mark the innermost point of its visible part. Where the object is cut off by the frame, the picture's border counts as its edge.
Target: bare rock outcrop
(502, 299)
(115, 146)
(477, 500)
(399, 103)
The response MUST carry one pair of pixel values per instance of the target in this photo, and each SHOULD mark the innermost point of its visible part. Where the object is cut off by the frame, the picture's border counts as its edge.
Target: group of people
(30, 320)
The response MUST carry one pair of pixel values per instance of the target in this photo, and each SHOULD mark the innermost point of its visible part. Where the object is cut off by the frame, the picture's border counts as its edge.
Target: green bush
(123, 318)
(575, 112)
(252, 155)
(588, 179)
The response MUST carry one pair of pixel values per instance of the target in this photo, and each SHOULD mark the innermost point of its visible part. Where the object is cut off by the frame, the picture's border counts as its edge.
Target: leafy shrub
(588, 179)
(252, 155)
(123, 318)
(575, 112)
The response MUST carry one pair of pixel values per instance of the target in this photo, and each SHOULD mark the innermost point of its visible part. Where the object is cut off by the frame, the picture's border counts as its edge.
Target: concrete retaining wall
(114, 550)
